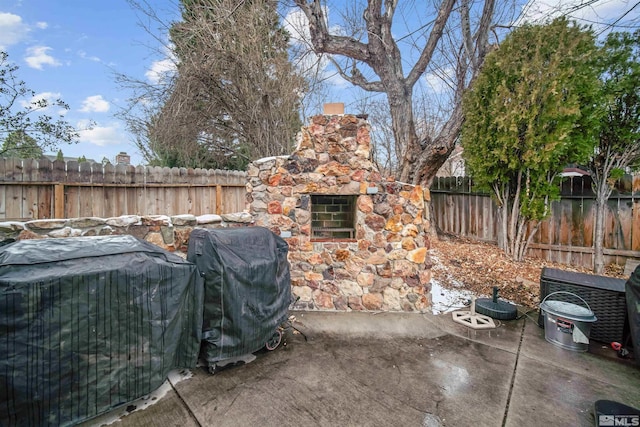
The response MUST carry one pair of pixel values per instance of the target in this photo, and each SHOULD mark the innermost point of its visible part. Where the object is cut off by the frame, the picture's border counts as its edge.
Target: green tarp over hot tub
(90, 323)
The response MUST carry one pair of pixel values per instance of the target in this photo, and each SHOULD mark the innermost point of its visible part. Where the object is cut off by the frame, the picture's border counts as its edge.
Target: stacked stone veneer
(168, 232)
(386, 266)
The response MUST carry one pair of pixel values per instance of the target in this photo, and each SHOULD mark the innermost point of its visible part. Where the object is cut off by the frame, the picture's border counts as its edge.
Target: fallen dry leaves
(460, 263)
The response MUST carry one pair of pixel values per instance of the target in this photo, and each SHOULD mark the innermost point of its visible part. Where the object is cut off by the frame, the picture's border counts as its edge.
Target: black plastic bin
(247, 290)
(605, 296)
(91, 323)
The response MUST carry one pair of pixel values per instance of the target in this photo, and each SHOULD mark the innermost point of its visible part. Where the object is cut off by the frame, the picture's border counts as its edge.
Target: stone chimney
(335, 108)
(123, 158)
(356, 240)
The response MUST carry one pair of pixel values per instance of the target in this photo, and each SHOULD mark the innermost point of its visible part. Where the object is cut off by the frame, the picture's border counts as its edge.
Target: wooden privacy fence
(566, 236)
(42, 189)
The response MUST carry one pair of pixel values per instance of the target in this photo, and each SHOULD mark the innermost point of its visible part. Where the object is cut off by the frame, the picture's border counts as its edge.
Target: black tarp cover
(89, 323)
(632, 292)
(247, 288)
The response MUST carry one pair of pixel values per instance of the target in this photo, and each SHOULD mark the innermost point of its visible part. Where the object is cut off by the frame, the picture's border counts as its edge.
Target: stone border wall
(168, 232)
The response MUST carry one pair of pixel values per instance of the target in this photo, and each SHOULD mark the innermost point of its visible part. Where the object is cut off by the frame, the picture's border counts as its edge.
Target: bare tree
(453, 44)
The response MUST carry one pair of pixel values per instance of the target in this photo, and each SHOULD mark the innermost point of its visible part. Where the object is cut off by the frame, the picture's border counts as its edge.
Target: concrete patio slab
(505, 336)
(365, 369)
(162, 408)
(381, 325)
(599, 363)
(545, 394)
(360, 382)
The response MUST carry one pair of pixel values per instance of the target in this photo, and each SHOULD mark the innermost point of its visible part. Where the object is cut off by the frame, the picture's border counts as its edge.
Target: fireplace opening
(332, 216)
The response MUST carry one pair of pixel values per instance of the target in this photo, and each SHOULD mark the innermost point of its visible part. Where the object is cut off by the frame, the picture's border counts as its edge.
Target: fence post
(218, 199)
(58, 200)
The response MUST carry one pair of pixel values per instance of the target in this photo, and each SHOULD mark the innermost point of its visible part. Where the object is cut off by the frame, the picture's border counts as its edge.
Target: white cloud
(37, 56)
(95, 104)
(84, 124)
(50, 98)
(102, 136)
(42, 25)
(82, 54)
(12, 30)
(159, 70)
(296, 23)
(599, 12)
(441, 80)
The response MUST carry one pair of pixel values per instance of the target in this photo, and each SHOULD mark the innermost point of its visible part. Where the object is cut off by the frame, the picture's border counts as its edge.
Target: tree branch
(434, 37)
(466, 32)
(390, 9)
(357, 78)
(482, 34)
(323, 42)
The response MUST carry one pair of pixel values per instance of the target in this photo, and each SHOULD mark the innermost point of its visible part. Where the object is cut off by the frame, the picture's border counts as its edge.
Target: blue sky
(71, 49)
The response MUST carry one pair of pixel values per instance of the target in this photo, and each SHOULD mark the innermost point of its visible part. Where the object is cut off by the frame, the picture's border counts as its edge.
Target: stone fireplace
(357, 241)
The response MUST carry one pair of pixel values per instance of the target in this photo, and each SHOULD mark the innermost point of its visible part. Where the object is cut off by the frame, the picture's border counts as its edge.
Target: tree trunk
(502, 195)
(404, 129)
(503, 220)
(520, 240)
(514, 216)
(601, 168)
(602, 195)
(433, 153)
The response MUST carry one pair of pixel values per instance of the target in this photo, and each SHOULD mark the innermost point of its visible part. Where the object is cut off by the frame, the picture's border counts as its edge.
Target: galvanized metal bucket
(567, 325)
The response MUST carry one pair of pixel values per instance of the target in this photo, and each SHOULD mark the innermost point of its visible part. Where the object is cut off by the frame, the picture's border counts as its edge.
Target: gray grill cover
(89, 323)
(247, 288)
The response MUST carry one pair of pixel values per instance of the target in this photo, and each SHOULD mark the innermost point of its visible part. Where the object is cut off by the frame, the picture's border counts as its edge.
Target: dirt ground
(465, 264)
